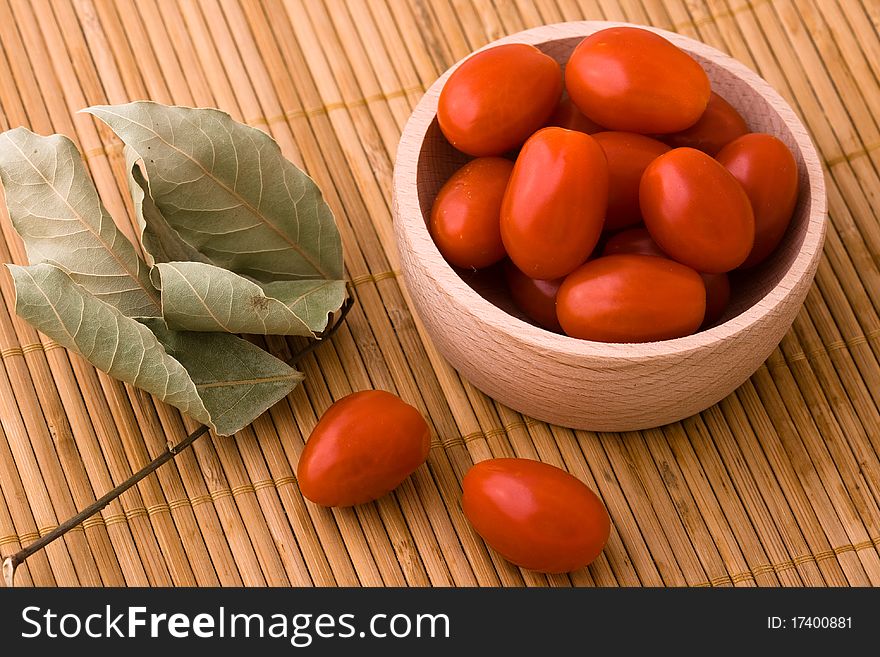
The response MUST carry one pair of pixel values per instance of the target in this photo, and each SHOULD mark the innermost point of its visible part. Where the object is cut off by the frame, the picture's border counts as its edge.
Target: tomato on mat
(535, 515)
(465, 217)
(498, 97)
(363, 447)
(555, 202)
(631, 298)
(630, 79)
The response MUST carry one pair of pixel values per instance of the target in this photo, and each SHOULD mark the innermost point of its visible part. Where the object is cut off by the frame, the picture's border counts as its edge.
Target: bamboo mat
(779, 484)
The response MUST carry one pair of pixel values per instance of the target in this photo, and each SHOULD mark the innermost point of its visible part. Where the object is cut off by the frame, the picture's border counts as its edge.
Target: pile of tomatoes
(629, 198)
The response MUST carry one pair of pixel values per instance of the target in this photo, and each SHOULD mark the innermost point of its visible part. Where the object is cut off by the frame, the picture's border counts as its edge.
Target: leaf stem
(328, 332)
(11, 563)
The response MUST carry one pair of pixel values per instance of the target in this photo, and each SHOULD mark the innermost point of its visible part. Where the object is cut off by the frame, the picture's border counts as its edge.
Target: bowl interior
(438, 160)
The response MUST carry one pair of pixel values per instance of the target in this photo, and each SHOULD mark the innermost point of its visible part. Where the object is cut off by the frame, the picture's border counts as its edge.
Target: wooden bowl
(594, 385)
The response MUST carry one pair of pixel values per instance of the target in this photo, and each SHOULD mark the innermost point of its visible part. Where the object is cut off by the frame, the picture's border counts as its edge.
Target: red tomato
(568, 116)
(364, 446)
(630, 79)
(632, 240)
(638, 240)
(717, 296)
(535, 515)
(555, 202)
(536, 298)
(719, 125)
(628, 156)
(696, 211)
(631, 298)
(498, 97)
(466, 213)
(766, 169)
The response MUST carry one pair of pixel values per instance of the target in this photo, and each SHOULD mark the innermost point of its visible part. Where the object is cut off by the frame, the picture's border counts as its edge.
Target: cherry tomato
(535, 515)
(696, 211)
(717, 296)
(628, 156)
(568, 116)
(633, 240)
(719, 125)
(631, 298)
(555, 203)
(766, 169)
(536, 298)
(364, 446)
(630, 79)
(638, 240)
(466, 213)
(498, 97)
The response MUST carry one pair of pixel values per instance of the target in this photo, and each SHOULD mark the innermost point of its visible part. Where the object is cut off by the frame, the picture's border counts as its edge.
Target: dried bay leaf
(55, 208)
(216, 378)
(49, 300)
(229, 192)
(160, 241)
(236, 380)
(200, 297)
(241, 240)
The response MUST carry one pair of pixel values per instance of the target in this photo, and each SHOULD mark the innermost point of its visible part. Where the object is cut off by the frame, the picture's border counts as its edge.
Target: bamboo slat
(778, 485)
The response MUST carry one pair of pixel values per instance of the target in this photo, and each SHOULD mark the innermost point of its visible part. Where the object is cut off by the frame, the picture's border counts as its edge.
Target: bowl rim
(435, 267)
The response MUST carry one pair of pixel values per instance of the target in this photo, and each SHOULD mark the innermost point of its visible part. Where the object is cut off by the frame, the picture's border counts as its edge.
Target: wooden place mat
(779, 484)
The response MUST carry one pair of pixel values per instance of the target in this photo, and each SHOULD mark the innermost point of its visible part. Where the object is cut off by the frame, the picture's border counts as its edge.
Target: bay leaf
(236, 380)
(202, 297)
(217, 379)
(55, 208)
(160, 241)
(229, 192)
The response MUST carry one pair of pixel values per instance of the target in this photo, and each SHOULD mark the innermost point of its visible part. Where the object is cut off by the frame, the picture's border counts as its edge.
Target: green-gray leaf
(55, 208)
(236, 380)
(218, 379)
(229, 192)
(160, 241)
(200, 297)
